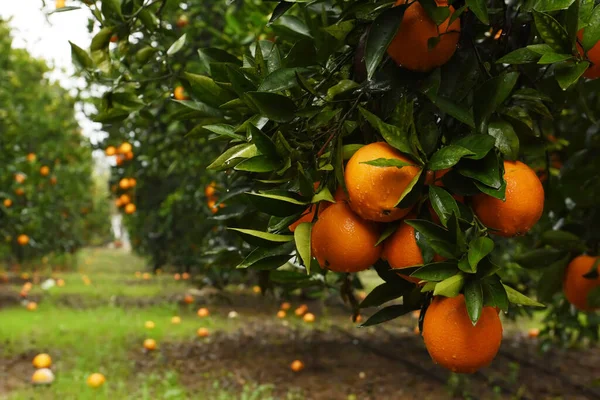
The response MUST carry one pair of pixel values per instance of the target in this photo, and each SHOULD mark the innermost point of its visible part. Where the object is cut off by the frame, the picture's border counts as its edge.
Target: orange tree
(45, 184)
(448, 146)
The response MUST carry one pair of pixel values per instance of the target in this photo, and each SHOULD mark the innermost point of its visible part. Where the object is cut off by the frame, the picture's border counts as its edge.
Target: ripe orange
(32, 306)
(31, 157)
(297, 365)
(177, 277)
(42, 376)
(401, 250)
(451, 339)
(149, 325)
(132, 182)
(410, 48)
(23, 239)
(19, 191)
(124, 199)
(44, 171)
(124, 183)
(188, 299)
(110, 151)
(59, 4)
(42, 360)
(179, 93)
(209, 191)
(175, 320)
(358, 319)
(114, 38)
(203, 312)
(285, 306)
(150, 344)
(202, 332)
(146, 276)
(129, 155)
(120, 159)
(281, 314)
(130, 208)
(185, 276)
(374, 191)
(124, 148)
(309, 214)
(118, 203)
(533, 333)
(300, 311)
(7, 203)
(256, 289)
(344, 242)
(309, 317)
(575, 286)
(593, 55)
(19, 178)
(523, 206)
(95, 380)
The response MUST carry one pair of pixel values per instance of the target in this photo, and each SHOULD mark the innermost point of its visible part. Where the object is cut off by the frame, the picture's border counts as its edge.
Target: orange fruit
(300, 311)
(344, 242)
(209, 191)
(297, 365)
(177, 277)
(31, 157)
(110, 151)
(522, 208)
(188, 299)
(149, 325)
(95, 380)
(410, 48)
(182, 21)
(42, 376)
(533, 332)
(114, 38)
(125, 148)
(374, 191)
(124, 199)
(175, 320)
(120, 159)
(118, 203)
(309, 214)
(132, 182)
(42, 360)
(146, 276)
(32, 306)
(400, 250)
(129, 155)
(451, 339)
(309, 317)
(19, 191)
(256, 289)
(281, 314)
(358, 319)
(576, 286)
(124, 183)
(179, 93)
(203, 312)
(202, 332)
(285, 306)
(7, 203)
(130, 208)
(150, 344)
(593, 55)
(19, 178)
(185, 276)
(23, 239)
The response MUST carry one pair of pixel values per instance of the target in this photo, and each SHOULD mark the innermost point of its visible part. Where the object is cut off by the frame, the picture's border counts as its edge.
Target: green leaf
(392, 134)
(432, 232)
(263, 143)
(387, 232)
(178, 45)
(551, 280)
(448, 156)
(436, 272)
(486, 170)
(494, 294)
(539, 258)
(262, 239)
(381, 33)
(478, 249)
(101, 40)
(273, 106)
(281, 79)
(443, 203)
(227, 159)
(111, 9)
(258, 164)
(507, 140)
(224, 130)
(80, 57)
(450, 287)
(203, 109)
(111, 116)
(340, 30)
(387, 314)
(464, 266)
(411, 193)
(552, 5)
(490, 95)
(552, 32)
(474, 300)
(281, 8)
(591, 33)
(278, 203)
(567, 73)
(563, 239)
(380, 295)
(438, 14)
(523, 55)
(341, 90)
(458, 111)
(206, 89)
(388, 162)
(479, 8)
(551, 58)
(479, 144)
(302, 239)
(519, 298)
(265, 258)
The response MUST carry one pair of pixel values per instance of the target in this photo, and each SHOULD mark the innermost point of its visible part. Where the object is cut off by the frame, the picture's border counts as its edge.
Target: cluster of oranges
(301, 311)
(210, 191)
(345, 239)
(43, 375)
(123, 153)
(124, 200)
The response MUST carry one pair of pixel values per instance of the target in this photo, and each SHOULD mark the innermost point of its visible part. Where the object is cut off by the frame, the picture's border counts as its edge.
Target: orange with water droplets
(420, 44)
(454, 342)
(344, 242)
(401, 251)
(577, 287)
(522, 208)
(374, 191)
(593, 54)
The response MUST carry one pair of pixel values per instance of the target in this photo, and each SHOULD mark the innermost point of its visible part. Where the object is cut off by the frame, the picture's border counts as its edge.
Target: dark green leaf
(80, 57)
(450, 287)
(227, 159)
(480, 145)
(494, 294)
(551, 58)
(101, 39)
(224, 130)
(520, 56)
(486, 170)
(567, 73)
(177, 45)
(490, 95)
(552, 32)
(443, 203)
(388, 314)
(281, 79)
(474, 299)
(262, 239)
(539, 258)
(519, 298)
(381, 33)
(479, 8)
(258, 164)
(436, 272)
(387, 232)
(447, 157)
(507, 140)
(380, 295)
(281, 8)
(563, 239)
(591, 33)
(273, 106)
(278, 203)
(438, 14)
(392, 134)
(552, 5)
(388, 162)
(274, 256)
(478, 249)
(264, 144)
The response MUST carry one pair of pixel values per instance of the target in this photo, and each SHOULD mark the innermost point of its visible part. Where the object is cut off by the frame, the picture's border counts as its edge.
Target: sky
(47, 36)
